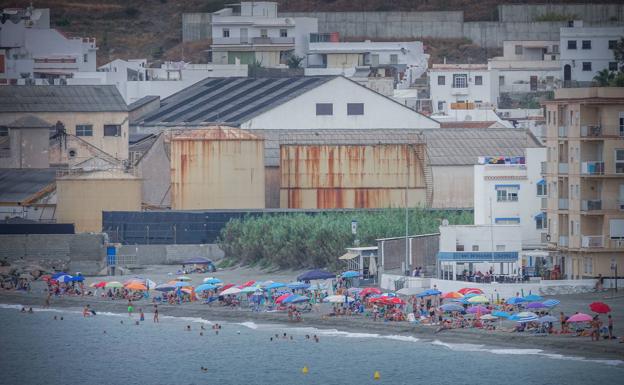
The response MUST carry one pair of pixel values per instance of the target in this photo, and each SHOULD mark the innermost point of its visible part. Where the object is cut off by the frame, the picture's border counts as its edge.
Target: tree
(294, 61)
(604, 78)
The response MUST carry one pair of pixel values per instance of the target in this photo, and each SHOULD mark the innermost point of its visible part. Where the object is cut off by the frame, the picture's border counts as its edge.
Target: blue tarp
(315, 274)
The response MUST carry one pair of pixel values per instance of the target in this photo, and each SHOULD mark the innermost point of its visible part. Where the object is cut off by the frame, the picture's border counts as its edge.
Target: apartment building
(452, 84)
(251, 32)
(584, 172)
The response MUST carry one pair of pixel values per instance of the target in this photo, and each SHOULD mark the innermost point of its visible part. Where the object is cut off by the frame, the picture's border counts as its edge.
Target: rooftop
(214, 133)
(19, 185)
(141, 102)
(612, 94)
(229, 101)
(455, 67)
(29, 121)
(74, 98)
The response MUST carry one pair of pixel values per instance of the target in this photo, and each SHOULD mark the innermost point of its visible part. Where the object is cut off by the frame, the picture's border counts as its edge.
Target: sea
(111, 349)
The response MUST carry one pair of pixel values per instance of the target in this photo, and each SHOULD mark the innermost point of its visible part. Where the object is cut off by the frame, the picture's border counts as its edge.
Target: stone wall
(170, 254)
(589, 12)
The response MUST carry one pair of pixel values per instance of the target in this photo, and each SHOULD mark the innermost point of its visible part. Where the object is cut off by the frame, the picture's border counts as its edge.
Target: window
(621, 124)
(85, 58)
(613, 66)
(459, 248)
(460, 81)
(555, 48)
(507, 221)
(5, 142)
(226, 32)
(616, 228)
(507, 193)
(586, 44)
(441, 80)
(355, 108)
(264, 32)
(588, 265)
(324, 109)
(112, 130)
(587, 66)
(518, 50)
(394, 58)
(501, 80)
(612, 44)
(541, 189)
(571, 44)
(4, 131)
(441, 106)
(283, 32)
(500, 247)
(84, 130)
(619, 161)
(478, 80)
(540, 221)
(475, 247)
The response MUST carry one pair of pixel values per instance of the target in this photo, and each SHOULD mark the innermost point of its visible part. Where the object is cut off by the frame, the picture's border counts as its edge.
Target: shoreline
(562, 345)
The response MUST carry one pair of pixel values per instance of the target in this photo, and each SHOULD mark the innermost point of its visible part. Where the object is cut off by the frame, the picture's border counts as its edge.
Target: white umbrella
(150, 284)
(231, 290)
(409, 291)
(488, 317)
(184, 278)
(337, 299)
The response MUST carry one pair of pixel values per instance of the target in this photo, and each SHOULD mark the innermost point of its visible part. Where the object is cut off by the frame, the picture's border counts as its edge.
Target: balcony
(563, 132)
(592, 168)
(273, 40)
(563, 168)
(564, 204)
(563, 241)
(591, 131)
(591, 205)
(592, 241)
(253, 40)
(459, 91)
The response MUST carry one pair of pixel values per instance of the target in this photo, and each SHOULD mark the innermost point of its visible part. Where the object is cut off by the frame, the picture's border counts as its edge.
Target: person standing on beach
(47, 301)
(610, 326)
(156, 314)
(130, 308)
(142, 317)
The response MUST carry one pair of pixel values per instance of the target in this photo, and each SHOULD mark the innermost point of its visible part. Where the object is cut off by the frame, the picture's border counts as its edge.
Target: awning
(348, 256)
(541, 181)
(540, 215)
(507, 186)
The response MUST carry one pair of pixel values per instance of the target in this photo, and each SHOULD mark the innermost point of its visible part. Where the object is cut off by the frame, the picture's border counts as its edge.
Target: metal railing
(592, 241)
(593, 168)
(563, 240)
(563, 131)
(563, 168)
(591, 204)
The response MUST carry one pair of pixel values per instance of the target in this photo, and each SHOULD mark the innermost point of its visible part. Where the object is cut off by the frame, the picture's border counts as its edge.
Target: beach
(567, 345)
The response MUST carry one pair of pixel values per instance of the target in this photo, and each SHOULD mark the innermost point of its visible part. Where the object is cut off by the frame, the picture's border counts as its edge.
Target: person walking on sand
(156, 314)
(610, 326)
(142, 317)
(130, 308)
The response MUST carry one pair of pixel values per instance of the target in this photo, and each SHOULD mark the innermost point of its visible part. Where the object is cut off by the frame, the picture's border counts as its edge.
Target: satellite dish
(445, 222)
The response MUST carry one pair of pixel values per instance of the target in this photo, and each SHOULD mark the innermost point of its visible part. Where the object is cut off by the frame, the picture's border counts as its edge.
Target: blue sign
(478, 256)
(111, 255)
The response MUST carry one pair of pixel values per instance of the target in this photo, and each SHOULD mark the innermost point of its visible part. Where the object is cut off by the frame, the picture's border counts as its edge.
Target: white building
(30, 49)
(135, 80)
(450, 84)
(527, 66)
(586, 51)
(408, 59)
(251, 32)
(479, 248)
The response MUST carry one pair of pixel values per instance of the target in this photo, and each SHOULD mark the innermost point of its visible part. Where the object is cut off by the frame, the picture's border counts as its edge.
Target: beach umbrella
(136, 286)
(478, 309)
(547, 318)
(428, 293)
(525, 316)
(150, 284)
(77, 278)
(452, 295)
(114, 284)
(350, 274)
(580, 317)
(408, 291)
(98, 284)
(64, 278)
(205, 287)
(489, 317)
(225, 287)
(296, 299)
(297, 285)
(393, 301)
(249, 289)
(535, 305)
(515, 300)
(230, 290)
(599, 307)
(282, 297)
(212, 280)
(451, 307)
(470, 290)
(533, 298)
(551, 302)
(276, 285)
(56, 275)
(369, 291)
(183, 284)
(478, 299)
(501, 314)
(470, 295)
(315, 274)
(165, 287)
(338, 299)
(248, 283)
(184, 278)
(197, 261)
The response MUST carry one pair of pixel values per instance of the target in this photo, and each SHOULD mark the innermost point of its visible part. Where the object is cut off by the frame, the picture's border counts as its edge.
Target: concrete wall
(587, 12)
(196, 26)
(170, 254)
(28, 148)
(155, 171)
(72, 252)
(422, 250)
(452, 187)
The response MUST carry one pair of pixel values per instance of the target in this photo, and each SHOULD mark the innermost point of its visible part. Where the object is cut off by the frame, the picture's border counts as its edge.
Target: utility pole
(407, 177)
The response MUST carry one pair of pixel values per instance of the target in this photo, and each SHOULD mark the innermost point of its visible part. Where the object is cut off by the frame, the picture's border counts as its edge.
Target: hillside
(152, 28)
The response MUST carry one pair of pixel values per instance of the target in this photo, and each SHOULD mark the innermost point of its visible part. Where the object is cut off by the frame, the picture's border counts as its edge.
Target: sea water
(36, 349)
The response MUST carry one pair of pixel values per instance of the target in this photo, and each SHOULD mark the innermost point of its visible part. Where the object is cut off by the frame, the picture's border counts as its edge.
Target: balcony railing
(563, 240)
(459, 91)
(591, 131)
(592, 241)
(563, 168)
(563, 131)
(563, 204)
(591, 204)
(592, 168)
(273, 40)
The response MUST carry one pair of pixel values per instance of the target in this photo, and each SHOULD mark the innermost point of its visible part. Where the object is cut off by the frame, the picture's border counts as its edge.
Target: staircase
(423, 157)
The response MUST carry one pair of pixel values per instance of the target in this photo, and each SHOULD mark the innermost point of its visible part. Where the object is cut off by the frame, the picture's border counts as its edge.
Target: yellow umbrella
(478, 299)
(136, 286)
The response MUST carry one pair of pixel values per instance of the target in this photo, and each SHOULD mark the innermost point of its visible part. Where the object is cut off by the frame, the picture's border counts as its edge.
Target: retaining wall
(589, 12)
(170, 254)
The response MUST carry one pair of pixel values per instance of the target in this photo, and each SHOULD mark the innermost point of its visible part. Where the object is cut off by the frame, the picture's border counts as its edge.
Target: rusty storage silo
(348, 170)
(216, 167)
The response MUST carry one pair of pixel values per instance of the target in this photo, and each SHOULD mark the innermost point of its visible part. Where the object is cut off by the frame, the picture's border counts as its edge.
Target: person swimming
(30, 310)
(23, 310)
(188, 328)
(201, 333)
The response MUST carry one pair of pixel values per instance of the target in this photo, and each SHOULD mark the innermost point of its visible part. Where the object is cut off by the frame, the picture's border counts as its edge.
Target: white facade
(472, 116)
(134, 80)
(462, 83)
(586, 51)
(513, 194)
(255, 33)
(31, 49)
(528, 66)
(379, 112)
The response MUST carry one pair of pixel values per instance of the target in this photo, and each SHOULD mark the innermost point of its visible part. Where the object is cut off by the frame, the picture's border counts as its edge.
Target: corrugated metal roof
(214, 133)
(141, 102)
(463, 146)
(19, 184)
(74, 98)
(230, 101)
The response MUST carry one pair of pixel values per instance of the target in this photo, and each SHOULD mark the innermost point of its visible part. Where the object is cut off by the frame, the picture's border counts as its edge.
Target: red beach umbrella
(452, 295)
(247, 284)
(369, 291)
(282, 297)
(470, 290)
(394, 301)
(225, 287)
(100, 284)
(599, 307)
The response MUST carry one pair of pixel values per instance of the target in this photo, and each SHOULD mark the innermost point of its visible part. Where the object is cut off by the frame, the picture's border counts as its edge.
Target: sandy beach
(566, 345)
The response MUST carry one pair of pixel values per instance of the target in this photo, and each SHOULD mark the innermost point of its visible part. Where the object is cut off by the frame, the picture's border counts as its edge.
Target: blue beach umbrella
(164, 287)
(551, 302)
(515, 300)
(533, 298)
(350, 274)
(296, 299)
(428, 293)
(297, 285)
(183, 284)
(276, 285)
(525, 316)
(64, 278)
(77, 278)
(212, 280)
(501, 314)
(450, 307)
(204, 287)
(315, 274)
(56, 275)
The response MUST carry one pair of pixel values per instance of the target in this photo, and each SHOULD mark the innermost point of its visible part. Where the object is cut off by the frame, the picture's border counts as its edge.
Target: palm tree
(604, 78)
